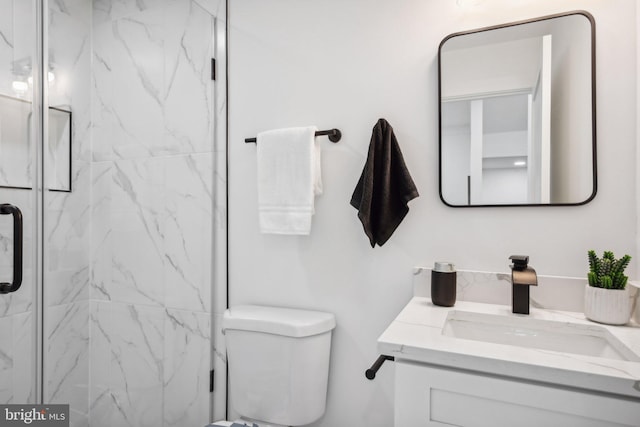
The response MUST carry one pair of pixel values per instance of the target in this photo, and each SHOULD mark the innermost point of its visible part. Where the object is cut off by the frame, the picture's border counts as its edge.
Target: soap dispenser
(443, 284)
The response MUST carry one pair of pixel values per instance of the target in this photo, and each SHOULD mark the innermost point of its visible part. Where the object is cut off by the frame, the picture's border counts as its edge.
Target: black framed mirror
(517, 115)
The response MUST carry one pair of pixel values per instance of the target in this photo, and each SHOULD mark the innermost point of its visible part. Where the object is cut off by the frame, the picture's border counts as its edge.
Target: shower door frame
(39, 130)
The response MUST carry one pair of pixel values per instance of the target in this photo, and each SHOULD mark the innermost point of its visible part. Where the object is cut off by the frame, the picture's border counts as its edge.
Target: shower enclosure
(109, 134)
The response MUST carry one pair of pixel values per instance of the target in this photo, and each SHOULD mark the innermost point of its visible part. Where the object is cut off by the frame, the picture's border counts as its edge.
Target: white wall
(493, 68)
(507, 185)
(344, 64)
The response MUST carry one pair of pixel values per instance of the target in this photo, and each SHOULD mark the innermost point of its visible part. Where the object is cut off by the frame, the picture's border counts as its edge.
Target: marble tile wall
(155, 208)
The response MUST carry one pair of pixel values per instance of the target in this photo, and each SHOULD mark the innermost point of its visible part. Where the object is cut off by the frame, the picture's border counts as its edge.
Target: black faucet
(522, 276)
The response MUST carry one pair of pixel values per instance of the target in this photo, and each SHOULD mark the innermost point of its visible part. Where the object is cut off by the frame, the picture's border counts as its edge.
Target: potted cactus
(607, 298)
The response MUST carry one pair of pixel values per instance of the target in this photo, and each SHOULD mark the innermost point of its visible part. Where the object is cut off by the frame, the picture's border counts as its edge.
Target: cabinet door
(429, 396)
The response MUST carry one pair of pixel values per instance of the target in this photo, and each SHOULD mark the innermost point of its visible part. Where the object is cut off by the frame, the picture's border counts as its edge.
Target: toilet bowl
(278, 362)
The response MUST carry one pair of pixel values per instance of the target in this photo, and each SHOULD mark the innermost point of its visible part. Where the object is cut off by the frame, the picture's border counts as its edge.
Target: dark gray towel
(385, 186)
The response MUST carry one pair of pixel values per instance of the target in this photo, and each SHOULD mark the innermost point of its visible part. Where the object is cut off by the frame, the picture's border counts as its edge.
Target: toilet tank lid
(289, 322)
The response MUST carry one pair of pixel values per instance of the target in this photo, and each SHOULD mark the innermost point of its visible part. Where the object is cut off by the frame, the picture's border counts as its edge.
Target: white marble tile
(6, 28)
(186, 368)
(102, 405)
(67, 229)
(102, 408)
(77, 9)
(78, 419)
(100, 348)
(128, 78)
(137, 232)
(137, 73)
(136, 345)
(113, 408)
(127, 352)
(214, 7)
(68, 56)
(137, 262)
(147, 360)
(23, 34)
(24, 362)
(66, 286)
(137, 363)
(104, 10)
(6, 359)
(154, 63)
(188, 230)
(101, 181)
(66, 357)
(16, 145)
(20, 301)
(70, 45)
(102, 118)
(188, 49)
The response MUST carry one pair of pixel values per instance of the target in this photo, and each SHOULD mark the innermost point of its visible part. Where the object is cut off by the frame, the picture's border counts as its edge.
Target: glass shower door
(18, 204)
(111, 165)
(66, 205)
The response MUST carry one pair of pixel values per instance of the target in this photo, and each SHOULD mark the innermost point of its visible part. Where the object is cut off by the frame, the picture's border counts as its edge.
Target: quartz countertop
(416, 335)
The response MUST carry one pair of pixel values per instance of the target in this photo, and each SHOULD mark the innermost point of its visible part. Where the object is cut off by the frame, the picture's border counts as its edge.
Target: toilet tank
(278, 362)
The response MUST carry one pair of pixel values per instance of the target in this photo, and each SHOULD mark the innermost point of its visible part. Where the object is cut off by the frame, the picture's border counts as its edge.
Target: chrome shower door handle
(6, 209)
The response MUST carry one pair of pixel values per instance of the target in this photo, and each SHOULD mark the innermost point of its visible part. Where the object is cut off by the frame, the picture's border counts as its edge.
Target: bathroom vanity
(478, 364)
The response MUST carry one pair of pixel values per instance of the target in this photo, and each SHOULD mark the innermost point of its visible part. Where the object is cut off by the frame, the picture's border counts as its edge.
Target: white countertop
(416, 335)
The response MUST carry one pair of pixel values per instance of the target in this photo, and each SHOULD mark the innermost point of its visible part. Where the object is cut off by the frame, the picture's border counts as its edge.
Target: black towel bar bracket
(334, 135)
(373, 370)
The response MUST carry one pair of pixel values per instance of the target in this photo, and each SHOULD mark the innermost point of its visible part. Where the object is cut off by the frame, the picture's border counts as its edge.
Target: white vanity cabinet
(477, 365)
(427, 395)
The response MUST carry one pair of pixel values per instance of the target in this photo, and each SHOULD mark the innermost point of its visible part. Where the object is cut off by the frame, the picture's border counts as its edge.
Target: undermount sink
(588, 340)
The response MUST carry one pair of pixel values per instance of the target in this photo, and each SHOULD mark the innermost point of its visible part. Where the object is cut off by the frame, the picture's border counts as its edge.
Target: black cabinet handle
(6, 209)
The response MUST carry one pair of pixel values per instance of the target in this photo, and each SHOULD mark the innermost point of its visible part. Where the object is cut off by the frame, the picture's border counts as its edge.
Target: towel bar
(334, 135)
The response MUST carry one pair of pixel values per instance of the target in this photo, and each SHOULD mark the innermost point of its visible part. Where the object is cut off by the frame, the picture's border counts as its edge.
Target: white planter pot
(610, 306)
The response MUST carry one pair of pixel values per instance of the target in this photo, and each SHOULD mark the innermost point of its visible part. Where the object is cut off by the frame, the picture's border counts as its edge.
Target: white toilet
(278, 364)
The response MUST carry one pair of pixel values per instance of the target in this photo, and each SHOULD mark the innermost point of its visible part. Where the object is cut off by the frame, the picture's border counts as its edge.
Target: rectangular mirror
(517, 113)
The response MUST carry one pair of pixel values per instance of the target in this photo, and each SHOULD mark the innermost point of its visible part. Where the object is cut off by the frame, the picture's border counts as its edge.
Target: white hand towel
(288, 179)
